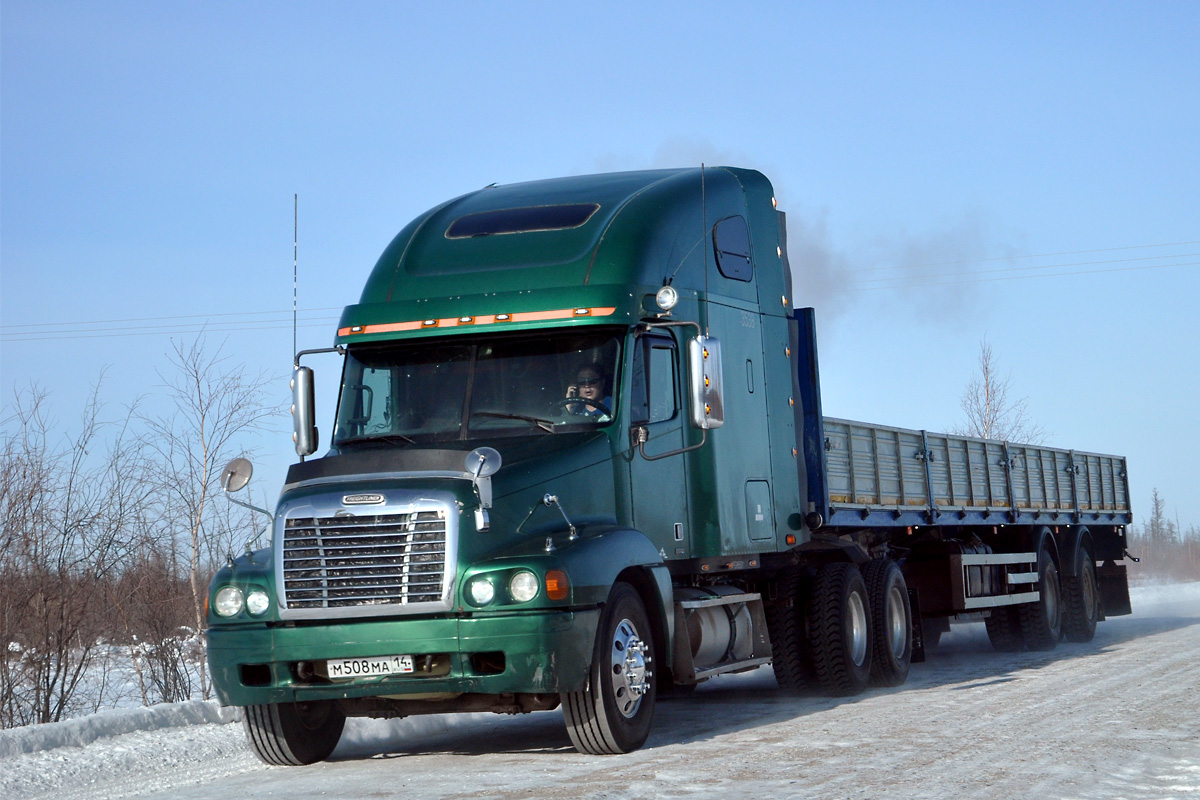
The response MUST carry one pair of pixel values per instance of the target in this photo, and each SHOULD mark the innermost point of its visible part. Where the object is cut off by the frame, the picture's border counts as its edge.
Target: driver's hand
(572, 391)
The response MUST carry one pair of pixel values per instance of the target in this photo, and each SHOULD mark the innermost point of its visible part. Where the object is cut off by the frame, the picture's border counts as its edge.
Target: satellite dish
(483, 461)
(237, 474)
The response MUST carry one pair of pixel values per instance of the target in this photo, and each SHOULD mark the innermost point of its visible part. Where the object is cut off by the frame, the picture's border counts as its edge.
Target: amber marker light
(557, 586)
(790, 539)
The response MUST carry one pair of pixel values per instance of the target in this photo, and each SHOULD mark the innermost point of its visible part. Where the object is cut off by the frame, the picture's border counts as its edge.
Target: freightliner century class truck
(579, 460)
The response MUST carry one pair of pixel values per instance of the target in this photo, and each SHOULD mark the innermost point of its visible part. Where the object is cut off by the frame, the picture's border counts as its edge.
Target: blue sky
(1024, 172)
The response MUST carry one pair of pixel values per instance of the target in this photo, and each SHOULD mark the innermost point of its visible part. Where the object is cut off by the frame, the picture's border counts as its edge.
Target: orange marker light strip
(482, 319)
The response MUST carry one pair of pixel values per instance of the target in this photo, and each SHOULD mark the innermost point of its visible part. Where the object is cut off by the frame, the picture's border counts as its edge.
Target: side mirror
(704, 373)
(305, 433)
(237, 474)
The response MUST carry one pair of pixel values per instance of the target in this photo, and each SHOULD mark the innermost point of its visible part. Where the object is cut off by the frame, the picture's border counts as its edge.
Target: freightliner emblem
(362, 499)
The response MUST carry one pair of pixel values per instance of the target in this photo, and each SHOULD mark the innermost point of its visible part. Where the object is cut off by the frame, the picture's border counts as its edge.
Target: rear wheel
(785, 623)
(293, 734)
(1042, 620)
(891, 622)
(614, 711)
(1004, 629)
(1081, 598)
(839, 630)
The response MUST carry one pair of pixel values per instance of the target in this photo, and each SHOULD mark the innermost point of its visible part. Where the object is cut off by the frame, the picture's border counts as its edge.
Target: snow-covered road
(1116, 718)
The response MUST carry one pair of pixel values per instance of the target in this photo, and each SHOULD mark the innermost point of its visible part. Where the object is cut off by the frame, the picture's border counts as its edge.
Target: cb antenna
(295, 261)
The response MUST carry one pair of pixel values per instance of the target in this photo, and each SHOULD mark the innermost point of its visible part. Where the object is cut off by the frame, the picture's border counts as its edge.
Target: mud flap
(1114, 590)
(918, 632)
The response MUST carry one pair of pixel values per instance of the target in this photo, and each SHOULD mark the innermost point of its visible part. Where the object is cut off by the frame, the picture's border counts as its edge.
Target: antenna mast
(295, 261)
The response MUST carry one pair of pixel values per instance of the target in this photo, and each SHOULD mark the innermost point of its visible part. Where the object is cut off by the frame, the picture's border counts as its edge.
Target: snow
(1116, 718)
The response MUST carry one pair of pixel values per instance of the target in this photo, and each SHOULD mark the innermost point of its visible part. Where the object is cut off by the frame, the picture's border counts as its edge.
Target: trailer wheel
(891, 622)
(1004, 629)
(293, 734)
(785, 623)
(613, 713)
(840, 630)
(1081, 599)
(1042, 621)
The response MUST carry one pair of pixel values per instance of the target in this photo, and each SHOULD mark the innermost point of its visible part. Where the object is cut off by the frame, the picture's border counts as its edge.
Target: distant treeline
(1164, 549)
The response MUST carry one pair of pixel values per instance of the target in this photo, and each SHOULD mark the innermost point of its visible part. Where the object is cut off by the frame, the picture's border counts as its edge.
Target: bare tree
(68, 511)
(992, 413)
(216, 403)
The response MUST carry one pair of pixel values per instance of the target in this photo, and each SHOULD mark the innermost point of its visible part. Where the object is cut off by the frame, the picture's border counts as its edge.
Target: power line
(157, 319)
(183, 326)
(57, 336)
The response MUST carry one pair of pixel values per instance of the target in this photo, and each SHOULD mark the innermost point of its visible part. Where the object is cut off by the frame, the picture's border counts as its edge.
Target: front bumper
(544, 653)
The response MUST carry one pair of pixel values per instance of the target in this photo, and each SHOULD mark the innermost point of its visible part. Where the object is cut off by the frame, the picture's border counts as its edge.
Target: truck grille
(369, 564)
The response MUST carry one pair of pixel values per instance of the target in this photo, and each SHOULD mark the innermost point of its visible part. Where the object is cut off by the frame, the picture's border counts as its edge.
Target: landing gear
(614, 711)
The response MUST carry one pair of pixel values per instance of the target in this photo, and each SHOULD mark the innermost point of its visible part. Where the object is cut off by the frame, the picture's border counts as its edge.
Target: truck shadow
(964, 660)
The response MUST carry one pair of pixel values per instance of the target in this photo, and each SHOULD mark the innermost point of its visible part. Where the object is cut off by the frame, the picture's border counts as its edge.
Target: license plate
(367, 667)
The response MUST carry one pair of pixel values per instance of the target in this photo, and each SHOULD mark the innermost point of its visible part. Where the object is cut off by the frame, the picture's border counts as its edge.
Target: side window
(654, 379)
(365, 404)
(731, 244)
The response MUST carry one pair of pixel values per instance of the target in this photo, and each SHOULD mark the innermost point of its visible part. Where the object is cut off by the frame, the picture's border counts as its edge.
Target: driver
(590, 384)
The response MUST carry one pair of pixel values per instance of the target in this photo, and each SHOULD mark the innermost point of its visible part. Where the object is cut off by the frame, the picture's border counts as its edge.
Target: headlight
(229, 602)
(257, 602)
(481, 591)
(523, 586)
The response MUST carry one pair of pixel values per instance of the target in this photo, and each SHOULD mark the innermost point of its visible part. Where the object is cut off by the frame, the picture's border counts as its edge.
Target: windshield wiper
(544, 424)
(394, 438)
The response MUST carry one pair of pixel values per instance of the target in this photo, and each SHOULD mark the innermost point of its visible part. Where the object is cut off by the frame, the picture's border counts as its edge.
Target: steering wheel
(567, 402)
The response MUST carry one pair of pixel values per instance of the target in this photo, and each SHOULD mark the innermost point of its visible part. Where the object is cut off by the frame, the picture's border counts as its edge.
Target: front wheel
(293, 734)
(613, 713)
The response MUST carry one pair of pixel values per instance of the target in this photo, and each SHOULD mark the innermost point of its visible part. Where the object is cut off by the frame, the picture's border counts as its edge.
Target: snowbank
(85, 730)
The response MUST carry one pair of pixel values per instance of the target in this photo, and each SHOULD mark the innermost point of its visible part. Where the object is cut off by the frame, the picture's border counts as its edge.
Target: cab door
(659, 485)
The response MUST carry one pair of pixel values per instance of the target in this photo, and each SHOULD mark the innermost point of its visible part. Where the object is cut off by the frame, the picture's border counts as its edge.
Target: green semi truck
(579, 459)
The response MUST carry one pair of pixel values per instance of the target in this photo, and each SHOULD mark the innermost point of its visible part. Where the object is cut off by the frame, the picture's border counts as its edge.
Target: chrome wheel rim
(897, 624)
(630, 658)
(857, 612)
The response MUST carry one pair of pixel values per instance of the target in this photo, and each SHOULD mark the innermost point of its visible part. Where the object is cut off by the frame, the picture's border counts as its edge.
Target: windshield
(472, 388)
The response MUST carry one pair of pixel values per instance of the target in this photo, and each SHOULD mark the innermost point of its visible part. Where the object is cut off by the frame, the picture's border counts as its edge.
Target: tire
(891, 623)
(293, 734)
(839, 630)
(1004, 630)
(613, 713)
(1081, 598)
(790, 658)
(1042, 621)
